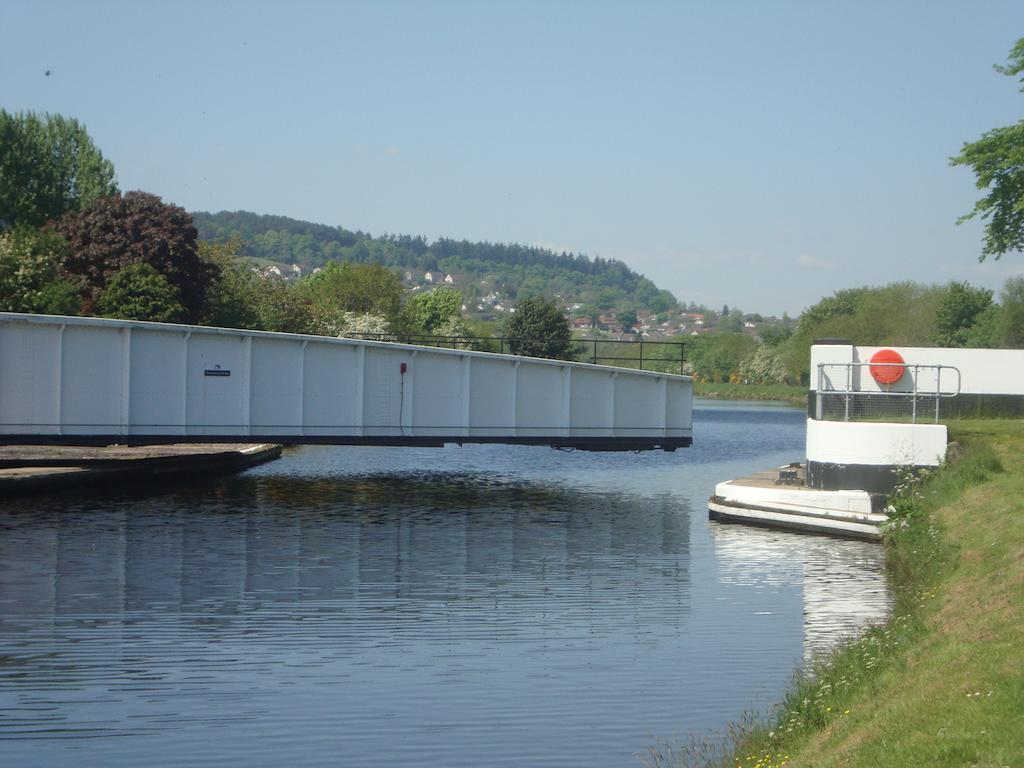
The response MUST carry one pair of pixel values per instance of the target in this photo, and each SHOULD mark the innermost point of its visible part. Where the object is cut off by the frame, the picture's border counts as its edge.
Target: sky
(757, 154)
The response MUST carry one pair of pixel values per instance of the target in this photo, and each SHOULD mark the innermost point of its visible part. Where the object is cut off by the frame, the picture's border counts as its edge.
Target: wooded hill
(480, 268)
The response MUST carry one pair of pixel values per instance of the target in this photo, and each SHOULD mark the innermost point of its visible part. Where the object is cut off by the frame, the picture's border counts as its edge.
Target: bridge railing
(639, 354)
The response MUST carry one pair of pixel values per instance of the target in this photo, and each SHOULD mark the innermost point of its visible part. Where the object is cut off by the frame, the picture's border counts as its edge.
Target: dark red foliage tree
(111, 233)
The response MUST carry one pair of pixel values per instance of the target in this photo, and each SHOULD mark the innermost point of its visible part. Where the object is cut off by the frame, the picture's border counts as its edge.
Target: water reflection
(844, 584)
(135, 604)
(512, 606)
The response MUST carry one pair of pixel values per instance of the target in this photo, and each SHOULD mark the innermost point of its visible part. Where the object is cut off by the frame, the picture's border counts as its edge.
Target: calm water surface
(487, 605)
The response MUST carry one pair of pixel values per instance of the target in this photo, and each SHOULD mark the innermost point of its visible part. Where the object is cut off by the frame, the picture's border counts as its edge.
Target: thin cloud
(806, 261)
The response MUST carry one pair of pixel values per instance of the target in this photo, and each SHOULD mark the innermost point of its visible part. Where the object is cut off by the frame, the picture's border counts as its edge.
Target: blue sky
(760, 154)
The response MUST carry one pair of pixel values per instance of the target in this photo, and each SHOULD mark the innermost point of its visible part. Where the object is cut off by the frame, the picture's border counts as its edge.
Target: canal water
(485, 605)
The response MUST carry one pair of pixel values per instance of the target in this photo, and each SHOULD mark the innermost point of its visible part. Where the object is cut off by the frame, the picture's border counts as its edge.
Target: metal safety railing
(630, 353)
(915, 396)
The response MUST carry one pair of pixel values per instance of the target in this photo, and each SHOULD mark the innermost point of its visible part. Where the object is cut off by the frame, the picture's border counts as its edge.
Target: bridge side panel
(540, 402)
(275, 400)
(388, 393)
(591, 392)
(438, 395)
(492, 405)
(332, 390)
(217, 373)
(679, 408)
(30, 364)
(639, 407)
(157, 387)
(92, 379)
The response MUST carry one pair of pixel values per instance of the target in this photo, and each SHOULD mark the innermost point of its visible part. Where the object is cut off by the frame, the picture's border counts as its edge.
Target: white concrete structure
(72, 379)
(852, 465)
(876, 444)
(981, 371)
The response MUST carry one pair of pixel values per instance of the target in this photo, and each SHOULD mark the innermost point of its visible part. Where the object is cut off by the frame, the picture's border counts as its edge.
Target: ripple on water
(495, 604)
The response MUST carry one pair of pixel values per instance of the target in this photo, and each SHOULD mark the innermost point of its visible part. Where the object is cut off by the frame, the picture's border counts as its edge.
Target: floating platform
(780, 498)
(35, 468)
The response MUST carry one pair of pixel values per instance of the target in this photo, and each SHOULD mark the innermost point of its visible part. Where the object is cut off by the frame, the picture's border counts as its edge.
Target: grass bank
(726, 391)
(942, 682)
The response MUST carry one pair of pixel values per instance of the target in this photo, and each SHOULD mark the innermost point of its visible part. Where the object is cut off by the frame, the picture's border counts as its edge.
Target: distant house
(449, 279)
(429, 277)
(408, 277)
(582, 324)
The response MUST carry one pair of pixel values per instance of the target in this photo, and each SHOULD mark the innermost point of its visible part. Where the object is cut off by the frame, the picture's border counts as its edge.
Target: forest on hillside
(516, 270)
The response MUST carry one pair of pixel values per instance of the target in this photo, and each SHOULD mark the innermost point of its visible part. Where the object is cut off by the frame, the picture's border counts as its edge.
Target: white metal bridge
(79, 380)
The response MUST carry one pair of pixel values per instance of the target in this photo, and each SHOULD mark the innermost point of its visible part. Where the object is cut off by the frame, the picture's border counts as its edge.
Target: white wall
(68, 375)
(868, 443)
(982, 371)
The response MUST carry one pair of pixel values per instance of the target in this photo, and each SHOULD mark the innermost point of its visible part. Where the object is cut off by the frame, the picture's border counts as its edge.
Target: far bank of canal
(491, 604)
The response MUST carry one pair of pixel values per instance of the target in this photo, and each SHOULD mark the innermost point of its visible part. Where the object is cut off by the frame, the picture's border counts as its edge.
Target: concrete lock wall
(67, 376)
(876, 444)
(981, 371)
(867, 456)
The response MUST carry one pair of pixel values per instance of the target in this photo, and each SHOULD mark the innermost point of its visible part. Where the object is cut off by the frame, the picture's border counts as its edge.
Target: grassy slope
(785, 392)
(943, 683)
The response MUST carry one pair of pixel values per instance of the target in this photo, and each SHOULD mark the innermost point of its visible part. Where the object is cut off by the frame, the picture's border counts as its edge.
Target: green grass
(791, 393)
(942, 682)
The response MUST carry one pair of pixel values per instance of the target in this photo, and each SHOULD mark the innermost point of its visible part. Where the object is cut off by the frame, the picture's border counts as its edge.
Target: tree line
(518, 271)
(899, 314)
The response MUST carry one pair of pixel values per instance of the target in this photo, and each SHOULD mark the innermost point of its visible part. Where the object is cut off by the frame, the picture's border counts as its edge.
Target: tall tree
(1010, 323)
(139, 292)
(48, 166)
(233, 298)
(111, 233)
(430, 310)
(30, 279)
(958, 313)
(359, 288)
(539, 329)
(997, 159)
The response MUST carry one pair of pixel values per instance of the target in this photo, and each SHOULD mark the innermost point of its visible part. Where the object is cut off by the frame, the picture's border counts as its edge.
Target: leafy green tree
(1010, 323)
(539, 329)
(997, 159)
(235, 292)
(48, 166)
(432, 309)
(628, 320)
(606, 299)
(139, 292)
(984, 334)
(898, 314)
(718, 357)
(958, 312)
(358, 288)
(30, 280)
(111, 233)
(765, 366)
(285, 308)
(774, 335)
(661, 302)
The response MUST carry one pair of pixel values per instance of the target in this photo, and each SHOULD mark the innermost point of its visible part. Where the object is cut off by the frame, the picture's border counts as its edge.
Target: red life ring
(887, 366)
